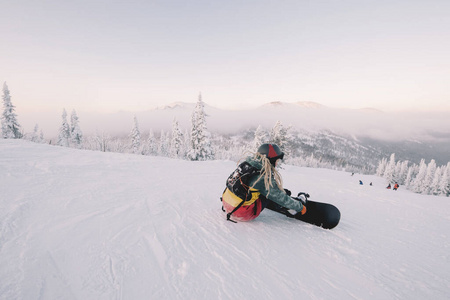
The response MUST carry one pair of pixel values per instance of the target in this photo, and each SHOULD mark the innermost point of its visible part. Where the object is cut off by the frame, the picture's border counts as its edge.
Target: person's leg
(266, 203)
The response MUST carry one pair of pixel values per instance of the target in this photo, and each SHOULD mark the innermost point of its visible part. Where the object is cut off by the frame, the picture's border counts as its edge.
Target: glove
(293, 213)
(303, 210)
(288, 192)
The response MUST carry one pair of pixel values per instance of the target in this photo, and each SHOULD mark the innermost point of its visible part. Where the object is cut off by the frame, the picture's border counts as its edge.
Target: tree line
(422, 178)
(197, 144)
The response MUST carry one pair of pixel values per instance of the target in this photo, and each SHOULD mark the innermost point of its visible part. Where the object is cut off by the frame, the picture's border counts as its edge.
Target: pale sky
(106, 56)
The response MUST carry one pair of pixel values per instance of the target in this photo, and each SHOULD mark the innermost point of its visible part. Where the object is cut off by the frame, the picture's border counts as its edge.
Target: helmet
(271, 151)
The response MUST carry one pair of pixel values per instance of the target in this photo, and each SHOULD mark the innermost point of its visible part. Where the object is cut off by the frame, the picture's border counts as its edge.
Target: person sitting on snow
(396, 186)
(262, 188)
(389, 186)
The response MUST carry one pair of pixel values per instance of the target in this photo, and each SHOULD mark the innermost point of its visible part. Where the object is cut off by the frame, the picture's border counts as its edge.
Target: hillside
(333, 135)
(79, 224)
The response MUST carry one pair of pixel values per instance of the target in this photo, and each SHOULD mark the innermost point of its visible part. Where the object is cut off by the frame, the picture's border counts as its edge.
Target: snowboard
(324, 215)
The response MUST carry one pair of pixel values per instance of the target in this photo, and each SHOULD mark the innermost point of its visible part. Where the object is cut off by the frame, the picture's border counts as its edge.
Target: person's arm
(278, 196)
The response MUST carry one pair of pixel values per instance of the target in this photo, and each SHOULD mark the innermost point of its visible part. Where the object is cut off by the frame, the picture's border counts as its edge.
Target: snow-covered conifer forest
(315, 149)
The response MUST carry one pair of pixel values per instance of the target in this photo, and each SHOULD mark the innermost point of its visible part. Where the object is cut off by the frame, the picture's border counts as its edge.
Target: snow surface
(78, 224)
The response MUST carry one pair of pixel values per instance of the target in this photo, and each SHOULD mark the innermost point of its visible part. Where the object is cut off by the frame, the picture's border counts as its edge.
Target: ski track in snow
(88, 225)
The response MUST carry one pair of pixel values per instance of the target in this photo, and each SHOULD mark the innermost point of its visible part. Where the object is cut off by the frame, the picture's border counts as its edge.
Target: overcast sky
(106, 56)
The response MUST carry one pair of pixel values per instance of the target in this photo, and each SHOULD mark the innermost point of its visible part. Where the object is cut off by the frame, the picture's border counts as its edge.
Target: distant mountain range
(412, 135)
(367, 122)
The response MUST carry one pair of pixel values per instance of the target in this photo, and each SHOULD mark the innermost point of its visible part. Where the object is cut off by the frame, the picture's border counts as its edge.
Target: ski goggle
(274, 159)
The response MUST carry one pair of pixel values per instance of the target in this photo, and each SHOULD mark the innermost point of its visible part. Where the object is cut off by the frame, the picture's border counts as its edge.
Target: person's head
(269, 155)
(272, 152)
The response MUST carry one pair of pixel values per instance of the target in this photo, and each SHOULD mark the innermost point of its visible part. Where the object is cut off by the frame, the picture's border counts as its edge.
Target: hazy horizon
(106, 56)
(384, 125)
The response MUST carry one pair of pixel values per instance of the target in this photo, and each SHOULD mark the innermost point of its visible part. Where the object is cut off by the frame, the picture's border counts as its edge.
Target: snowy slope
(90, 225)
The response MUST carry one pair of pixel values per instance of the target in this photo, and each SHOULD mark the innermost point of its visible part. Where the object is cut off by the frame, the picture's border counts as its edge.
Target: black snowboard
(324, 215)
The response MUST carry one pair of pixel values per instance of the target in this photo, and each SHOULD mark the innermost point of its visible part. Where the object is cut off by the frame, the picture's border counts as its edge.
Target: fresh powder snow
(79, 224)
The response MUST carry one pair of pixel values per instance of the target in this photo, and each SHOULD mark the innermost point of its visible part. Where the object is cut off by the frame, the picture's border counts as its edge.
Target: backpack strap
(235, 209)
(250, 171)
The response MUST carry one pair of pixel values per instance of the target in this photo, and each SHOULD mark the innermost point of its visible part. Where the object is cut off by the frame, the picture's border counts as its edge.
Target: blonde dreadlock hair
(268, 172)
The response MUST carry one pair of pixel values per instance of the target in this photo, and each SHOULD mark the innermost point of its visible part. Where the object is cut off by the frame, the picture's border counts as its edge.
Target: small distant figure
(371, 184)
(389, 186)
(396, 186)
(353, 174)
(360, 182)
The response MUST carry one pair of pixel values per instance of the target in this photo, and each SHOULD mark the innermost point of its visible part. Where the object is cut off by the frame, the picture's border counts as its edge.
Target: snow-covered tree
(431, 171)
(135, 136)
(76, 136)
(164, 144)
(64, 131)
(186, 144)
(259, 139)
(410, 176)
(10, 126)
(200, 138)
(403, 173)
(389, 172)
(418, 185)
(102, 141)
(381, 167)
(41, 137)
(312, 162)
(176, 143)
(151, 147)
(34, 136)
(444, 183)
(280, 136)
(435, 187)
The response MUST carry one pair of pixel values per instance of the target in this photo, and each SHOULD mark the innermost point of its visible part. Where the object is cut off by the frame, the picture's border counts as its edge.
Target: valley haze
(303, 115)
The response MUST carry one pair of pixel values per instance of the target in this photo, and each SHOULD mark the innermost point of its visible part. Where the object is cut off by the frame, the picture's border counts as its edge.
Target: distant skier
(389, 186)
(360, 182)
(370, 183)
(256, 184)
(396, 186)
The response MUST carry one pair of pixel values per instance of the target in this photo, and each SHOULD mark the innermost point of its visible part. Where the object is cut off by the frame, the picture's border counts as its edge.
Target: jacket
(275, 194)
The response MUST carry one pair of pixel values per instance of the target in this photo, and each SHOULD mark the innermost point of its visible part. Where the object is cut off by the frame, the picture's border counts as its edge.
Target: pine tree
(164, 144)
(279, 136)
(403, 173)
(64, 131)
(186, 144)
(151, 144)
(34, 135)
(409, 177)
(435, 187)
(41, 137)
(259, 139)
(389, 173)
(176, 143)
(431, 171)
(200, 138)
(76, 136)
(418, 185)
(10, 126)
(135, 137)
(444, 184)
(382, 167)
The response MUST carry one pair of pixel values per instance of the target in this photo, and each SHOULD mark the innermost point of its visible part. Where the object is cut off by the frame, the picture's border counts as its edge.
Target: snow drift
(89, 225)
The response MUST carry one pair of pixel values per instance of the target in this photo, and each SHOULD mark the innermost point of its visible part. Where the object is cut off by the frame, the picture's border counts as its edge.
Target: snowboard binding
(302, 197)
